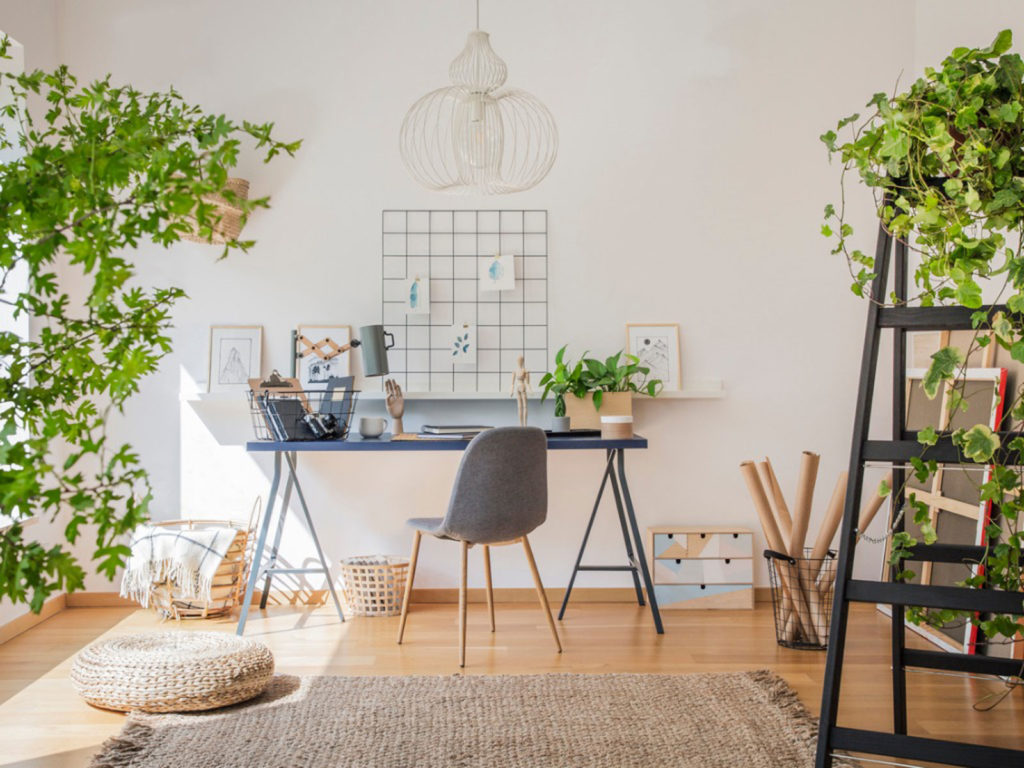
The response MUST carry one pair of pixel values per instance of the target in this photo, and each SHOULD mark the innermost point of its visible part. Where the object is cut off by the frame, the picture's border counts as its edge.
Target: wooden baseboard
(446, 595)
(15, 627)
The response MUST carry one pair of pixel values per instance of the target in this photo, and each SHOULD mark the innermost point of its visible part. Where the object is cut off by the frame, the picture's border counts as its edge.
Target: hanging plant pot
(226, 217)
(583, 415)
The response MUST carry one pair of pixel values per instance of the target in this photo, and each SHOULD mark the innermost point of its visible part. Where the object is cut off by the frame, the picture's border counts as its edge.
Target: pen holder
(616, 427)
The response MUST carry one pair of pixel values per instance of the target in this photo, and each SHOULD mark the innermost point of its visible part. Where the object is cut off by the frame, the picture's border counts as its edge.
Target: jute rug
(747, 719)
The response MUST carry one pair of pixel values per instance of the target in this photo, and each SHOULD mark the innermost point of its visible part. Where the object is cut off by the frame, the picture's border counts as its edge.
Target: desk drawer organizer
(702, 567)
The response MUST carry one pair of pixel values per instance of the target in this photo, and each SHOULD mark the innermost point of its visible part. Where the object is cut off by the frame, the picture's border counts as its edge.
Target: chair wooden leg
(541, 595)
(462, 604)
(408, 583)
(487, 577)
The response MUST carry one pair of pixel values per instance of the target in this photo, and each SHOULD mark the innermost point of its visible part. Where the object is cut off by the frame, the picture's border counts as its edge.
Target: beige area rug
(748, 719)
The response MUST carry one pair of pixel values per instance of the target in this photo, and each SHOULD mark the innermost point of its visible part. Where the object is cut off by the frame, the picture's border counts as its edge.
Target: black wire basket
(308, 414)
(802, 598)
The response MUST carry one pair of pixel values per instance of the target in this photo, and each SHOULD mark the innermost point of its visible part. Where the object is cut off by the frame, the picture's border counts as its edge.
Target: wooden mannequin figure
(520, 386)
(396, 406)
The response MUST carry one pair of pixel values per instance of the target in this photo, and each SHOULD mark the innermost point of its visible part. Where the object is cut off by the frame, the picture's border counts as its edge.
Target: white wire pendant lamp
(475, 136)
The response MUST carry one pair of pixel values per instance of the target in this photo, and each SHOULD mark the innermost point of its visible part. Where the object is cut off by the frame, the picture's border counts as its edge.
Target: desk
(287, 453)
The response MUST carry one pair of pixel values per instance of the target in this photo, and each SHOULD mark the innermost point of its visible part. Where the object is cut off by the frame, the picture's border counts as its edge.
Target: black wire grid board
(447, 247)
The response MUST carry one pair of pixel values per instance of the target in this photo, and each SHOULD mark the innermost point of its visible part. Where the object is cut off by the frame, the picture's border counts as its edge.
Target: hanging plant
(945, 161)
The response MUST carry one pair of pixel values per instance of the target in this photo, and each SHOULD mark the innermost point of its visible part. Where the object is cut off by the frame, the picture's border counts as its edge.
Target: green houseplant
(945, 160)
(581, 388)
(101, 169)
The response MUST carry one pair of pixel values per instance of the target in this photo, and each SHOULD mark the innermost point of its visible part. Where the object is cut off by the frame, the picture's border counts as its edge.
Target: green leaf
(944, 364)
(979, 443)
(927, 436)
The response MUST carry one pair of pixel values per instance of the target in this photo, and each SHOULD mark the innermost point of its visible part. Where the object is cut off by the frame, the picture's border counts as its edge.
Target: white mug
(371, 426)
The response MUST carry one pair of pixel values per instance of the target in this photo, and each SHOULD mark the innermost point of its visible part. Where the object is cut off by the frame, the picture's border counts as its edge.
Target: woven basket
(172, 671)
(228, 582)
(226, 218)
(375, 584)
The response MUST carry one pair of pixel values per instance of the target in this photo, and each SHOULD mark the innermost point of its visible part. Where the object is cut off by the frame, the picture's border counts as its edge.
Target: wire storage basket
(375, 584)
(307, 414)
(801, 598)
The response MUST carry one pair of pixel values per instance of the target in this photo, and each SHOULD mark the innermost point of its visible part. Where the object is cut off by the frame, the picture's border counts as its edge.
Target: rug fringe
(785, 698)
(120, 751)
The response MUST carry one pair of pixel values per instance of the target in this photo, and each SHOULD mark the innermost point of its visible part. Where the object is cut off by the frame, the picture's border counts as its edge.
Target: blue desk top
(385, 443)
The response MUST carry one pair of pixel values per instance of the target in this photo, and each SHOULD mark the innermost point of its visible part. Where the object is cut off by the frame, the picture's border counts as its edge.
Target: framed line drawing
(317, 355)
(235, 355)
(657, 347)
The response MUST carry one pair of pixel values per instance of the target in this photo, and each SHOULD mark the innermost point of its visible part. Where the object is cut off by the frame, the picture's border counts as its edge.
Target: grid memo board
(446, 247)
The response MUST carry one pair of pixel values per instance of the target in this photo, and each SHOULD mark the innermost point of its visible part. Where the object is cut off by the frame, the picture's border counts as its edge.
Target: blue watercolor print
(496, 271)
(414, 294)
(461, 345)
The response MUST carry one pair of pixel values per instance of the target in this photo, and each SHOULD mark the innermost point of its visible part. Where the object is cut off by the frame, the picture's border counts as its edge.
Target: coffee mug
(370, 426)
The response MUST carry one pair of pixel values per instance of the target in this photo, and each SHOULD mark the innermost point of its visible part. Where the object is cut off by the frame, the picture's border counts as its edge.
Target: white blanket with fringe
(189, 558)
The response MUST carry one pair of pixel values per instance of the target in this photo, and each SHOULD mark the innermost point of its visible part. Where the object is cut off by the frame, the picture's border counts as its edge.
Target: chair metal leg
(408, 583)
(490, 589)
(462, 604)
(541, 594)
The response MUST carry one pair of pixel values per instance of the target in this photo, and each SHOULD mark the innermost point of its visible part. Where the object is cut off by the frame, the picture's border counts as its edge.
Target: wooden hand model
(396, 406)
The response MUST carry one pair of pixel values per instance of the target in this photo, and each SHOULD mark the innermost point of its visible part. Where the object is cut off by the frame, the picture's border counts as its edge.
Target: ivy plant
(945, 161)
(100, 169)
(618, 373)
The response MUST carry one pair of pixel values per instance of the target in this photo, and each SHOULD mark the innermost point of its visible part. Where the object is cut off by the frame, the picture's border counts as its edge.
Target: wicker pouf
(172, 671)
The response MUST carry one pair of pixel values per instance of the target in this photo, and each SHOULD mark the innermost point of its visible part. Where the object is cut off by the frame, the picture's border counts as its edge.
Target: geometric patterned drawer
(681, 544)
(688, 597)
(702, 567)
(727, 571)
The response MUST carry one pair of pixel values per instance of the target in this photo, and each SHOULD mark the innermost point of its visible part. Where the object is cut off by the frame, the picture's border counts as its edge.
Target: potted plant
(945, 160)
(589, 388)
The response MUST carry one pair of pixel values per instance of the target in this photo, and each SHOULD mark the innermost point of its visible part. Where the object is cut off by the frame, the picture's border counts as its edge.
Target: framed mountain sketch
(235, 356)
(657, 347)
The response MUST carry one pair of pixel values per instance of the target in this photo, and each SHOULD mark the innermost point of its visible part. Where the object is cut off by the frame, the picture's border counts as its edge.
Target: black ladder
(899, 450)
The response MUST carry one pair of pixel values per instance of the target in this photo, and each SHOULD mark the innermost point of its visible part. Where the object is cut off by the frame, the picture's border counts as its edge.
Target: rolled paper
(871, 508)
(777, 543)
(776, 497)
(802, 507)
(833, 516)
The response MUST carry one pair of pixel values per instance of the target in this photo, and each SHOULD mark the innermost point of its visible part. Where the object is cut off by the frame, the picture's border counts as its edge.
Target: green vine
(945, 161)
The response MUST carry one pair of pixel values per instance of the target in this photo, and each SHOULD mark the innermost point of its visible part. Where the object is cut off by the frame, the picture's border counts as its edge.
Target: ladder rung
(962, 662)
(606, 568)
(932, 318)
(930, 596)
(943, 451)
(918, 748)
(947, 553)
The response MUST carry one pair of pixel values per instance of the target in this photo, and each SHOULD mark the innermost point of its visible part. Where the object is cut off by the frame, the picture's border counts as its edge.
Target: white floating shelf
(703, 390)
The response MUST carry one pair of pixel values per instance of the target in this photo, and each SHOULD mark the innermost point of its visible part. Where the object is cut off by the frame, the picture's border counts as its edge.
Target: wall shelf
(711, 389)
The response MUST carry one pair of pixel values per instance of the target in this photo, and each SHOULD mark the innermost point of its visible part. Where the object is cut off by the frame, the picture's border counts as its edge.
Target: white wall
(689, 188)
(32, 28)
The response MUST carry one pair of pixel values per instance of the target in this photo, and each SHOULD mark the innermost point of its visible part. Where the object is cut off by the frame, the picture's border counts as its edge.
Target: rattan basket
(226, 219)
(228, 583)
(375, 584)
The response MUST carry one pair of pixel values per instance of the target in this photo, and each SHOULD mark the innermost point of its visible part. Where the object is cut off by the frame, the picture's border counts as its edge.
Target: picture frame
(235, 356)
(316, 357)
(657, 347)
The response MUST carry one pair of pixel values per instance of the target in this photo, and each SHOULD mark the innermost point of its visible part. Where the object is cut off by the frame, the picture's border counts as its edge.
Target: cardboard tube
(833, 516)
(802, 507)
(773, 536)
(871, 508)
(779, 506)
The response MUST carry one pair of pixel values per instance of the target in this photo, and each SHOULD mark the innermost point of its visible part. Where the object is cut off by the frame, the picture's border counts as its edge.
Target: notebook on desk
(453, 429)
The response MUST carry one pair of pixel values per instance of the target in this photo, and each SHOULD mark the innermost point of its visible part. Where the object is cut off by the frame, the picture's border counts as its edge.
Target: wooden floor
(43, 723)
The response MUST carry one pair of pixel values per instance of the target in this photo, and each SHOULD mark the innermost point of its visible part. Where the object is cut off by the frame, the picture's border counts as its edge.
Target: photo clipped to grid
(460, 320)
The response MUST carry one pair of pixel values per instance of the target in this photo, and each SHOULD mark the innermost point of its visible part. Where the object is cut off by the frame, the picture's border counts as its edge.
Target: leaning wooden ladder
(898, 451)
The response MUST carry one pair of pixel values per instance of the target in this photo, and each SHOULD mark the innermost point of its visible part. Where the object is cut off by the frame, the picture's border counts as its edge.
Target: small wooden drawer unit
(702, 567)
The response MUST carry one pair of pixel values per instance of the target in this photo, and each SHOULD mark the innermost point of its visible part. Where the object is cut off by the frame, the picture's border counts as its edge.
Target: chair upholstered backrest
(501, 490)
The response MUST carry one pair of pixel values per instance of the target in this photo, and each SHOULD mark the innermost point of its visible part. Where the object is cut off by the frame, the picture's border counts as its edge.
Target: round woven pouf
(172, 671)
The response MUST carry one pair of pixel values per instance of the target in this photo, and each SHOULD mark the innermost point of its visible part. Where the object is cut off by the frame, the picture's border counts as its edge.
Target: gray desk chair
(500, 495)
